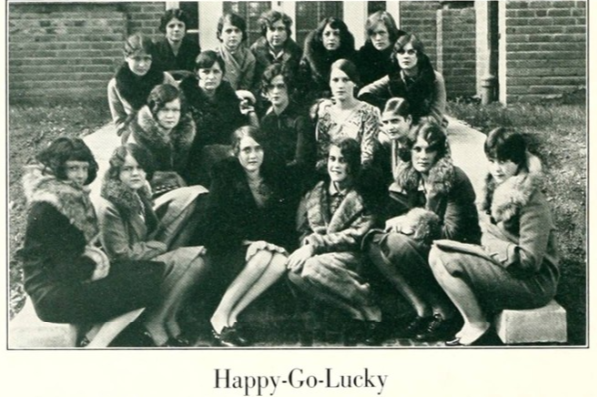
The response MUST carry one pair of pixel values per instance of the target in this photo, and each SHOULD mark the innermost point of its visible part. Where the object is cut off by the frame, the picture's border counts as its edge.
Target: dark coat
(170, 151)
(451, 197)
(314, 68)
(61, 222)
(290, 59)
(234, 216)
(166, 61)
(372, 63)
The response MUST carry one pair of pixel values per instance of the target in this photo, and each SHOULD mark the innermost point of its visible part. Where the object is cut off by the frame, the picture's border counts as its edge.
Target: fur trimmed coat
(61, 223)
(338, 232)
(290, 58)
(170, 149)
(521, 232)
(449, 194)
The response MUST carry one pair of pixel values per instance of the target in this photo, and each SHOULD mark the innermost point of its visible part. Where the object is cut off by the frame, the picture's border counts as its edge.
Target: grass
(559, 132)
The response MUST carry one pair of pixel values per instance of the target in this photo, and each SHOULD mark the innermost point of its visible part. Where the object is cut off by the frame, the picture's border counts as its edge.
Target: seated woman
(330, 41)
(517, 265)
(331, 229)
(289, 131)
(412, 77)
(427, 179)
(346, 117)
(128, 223)
(275, 46)
(134, 80)
(251, 213)
(175, 52)
(166, 129)
(239, 60)
(374, 59)
(68, 278)
(217, 111)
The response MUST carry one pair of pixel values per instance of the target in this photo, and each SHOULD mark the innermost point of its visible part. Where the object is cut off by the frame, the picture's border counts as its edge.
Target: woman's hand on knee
(297, 259)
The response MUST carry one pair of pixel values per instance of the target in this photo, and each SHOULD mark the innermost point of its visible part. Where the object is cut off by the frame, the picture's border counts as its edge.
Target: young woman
(239, 60)
(346, 116)
(374, 59)
(166, 129)
(128, 223)
(428, 179)
(69, 279)
(217, 111)
(134, 80)
(251, 216)
(175, 52)
(332, 227)
(517, 265)
(289, 131)
(330, 41)
(275, 44)
(412, 77)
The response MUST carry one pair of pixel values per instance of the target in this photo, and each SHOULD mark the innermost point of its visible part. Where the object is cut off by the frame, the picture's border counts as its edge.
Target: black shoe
(438, 328)
(178, 341)
(229, 337)
(373, 333)
(416, 326)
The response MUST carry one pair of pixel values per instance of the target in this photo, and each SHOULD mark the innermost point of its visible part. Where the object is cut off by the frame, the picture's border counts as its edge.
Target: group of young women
(323, 168)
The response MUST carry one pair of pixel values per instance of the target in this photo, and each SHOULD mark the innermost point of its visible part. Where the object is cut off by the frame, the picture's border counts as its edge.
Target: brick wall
(456, 55)
(420, 18)
(62, 50)
(545, 48)
(144, 18)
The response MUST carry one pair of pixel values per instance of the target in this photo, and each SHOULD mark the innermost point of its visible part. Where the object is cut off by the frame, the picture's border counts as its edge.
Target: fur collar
(320, 60)
(136, 89)
(504, 201)
(123, 197)
(441, 177)
(318, 217)
(147, 130)
(41, 185)
(261, 50)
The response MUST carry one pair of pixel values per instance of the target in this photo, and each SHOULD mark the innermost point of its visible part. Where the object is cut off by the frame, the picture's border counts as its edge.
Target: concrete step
(543, 325)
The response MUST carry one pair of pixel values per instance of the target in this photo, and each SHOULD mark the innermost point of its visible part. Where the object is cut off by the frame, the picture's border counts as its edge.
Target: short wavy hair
(351, 150)
(65, 149)
(346, 38)
(267, 19)
(503, 144)
(139, 153)
(206, 59)
(138, 43)
(387, 20)
(162, 94)
(434, 134)
(234, 20)
(170, 15)
(274, 70)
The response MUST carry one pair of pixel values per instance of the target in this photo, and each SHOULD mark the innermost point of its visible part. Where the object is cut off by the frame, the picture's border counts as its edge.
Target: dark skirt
(128, 286)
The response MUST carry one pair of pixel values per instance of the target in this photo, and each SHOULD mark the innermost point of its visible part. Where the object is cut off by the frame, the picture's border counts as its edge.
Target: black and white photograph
(283, 178)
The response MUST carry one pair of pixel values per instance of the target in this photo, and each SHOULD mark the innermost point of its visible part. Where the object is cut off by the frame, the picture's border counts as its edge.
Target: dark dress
(166, 61)
(58, 275)
(215, 119)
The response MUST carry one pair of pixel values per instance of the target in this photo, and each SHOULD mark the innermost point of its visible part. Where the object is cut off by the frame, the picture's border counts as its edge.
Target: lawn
(559, 132)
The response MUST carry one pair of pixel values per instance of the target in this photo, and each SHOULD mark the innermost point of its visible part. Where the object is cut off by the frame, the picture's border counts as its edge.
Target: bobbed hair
(268, 18)
(206, 59)
(346, 38)
(387, 20)
(65, 149)
(139, 153)
(351, 151)
(433, 134)
(274, 70)
(234, 20)
(398, 106)
(417, 45)
(170, 15)
(503, 144)
(162, 94)
(138, 43)
(349, 68)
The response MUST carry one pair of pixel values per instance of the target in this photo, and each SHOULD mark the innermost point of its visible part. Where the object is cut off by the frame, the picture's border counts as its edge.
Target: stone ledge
(543, 325)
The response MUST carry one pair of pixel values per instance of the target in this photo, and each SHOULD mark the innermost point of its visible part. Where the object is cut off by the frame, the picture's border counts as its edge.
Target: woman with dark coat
(330, 41)
(68, 278)
(425, 178)
(217, 111)
(175, 52)
(134, 80)
(374, 59)
(251, 216)
(517, 265)
(413, 78)
(166, 129)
